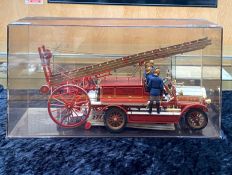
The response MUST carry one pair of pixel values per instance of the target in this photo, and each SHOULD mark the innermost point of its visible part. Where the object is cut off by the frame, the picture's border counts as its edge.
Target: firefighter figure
(156, 87)
(148, 73)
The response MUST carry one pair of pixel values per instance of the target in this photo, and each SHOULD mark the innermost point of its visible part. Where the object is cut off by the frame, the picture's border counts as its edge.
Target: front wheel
(115, 120)
(69, 106)
(196, 119)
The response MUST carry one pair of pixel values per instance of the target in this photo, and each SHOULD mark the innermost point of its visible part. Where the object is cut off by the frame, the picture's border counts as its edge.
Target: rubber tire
(204, 115)
(108, 113)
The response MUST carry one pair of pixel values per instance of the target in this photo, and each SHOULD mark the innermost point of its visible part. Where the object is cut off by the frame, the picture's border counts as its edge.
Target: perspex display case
(84, 77)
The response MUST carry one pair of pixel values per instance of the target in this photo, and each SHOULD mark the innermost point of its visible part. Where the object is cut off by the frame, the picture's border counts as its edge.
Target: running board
(153, 113)
(154, 109)
(168, 127)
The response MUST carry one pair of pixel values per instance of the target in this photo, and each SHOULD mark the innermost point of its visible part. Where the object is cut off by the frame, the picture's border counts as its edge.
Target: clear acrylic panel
(78, 77)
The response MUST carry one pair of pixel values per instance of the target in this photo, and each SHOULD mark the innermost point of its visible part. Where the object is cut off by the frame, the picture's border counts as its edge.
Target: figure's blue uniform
(147, 78)
(155, 85)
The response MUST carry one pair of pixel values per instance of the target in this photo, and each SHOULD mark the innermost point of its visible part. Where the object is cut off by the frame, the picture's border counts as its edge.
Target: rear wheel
(196, 119)
(115, 120)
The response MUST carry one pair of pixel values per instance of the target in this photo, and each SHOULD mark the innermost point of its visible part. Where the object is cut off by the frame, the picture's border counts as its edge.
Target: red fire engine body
(121, 100)
(124, 101)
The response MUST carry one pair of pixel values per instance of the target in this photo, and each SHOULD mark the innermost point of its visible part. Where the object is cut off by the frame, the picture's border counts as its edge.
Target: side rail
(45, 57)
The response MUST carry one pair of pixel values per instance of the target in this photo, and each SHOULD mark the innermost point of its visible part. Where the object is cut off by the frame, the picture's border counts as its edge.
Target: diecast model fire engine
(121, 100)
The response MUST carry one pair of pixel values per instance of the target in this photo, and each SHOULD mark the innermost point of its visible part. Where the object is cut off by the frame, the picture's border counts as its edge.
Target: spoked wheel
(196, 119)
(115, 120)
(69, 106)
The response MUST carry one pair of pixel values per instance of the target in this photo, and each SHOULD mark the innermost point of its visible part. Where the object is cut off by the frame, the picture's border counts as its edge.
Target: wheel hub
(196, 118)
(115, 118)
(69, 106)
